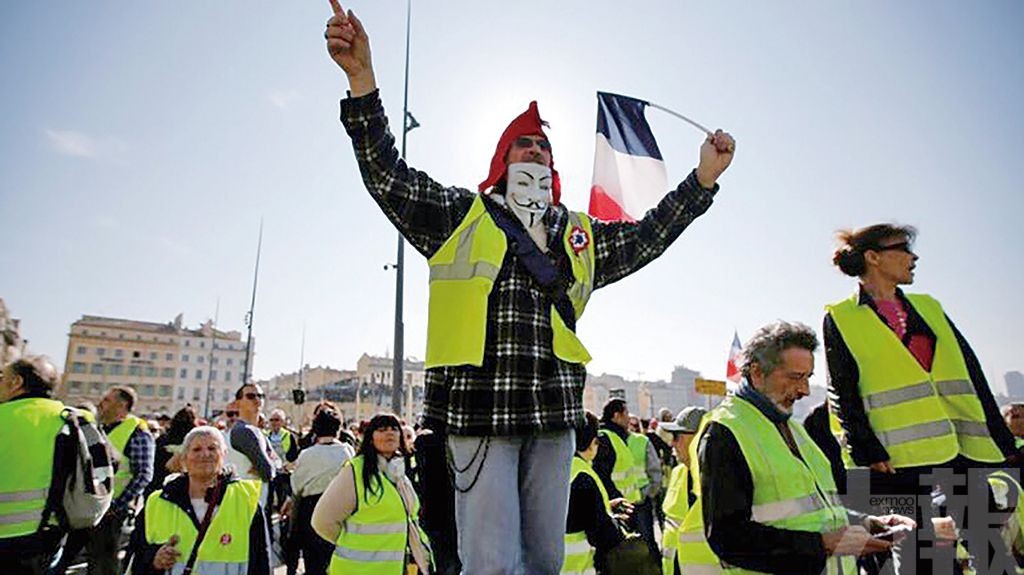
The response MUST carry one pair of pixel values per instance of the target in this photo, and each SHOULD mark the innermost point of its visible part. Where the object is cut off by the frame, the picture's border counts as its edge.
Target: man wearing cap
(511, 270)
(679, 496)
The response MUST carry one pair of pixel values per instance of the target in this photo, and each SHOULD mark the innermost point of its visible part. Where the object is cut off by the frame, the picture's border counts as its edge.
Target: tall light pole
(209, 366)
(397, 376)
(252, 308)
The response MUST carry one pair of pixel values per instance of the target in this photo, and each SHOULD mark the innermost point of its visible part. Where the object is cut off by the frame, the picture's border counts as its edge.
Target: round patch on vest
(578, 239)
(225, 539)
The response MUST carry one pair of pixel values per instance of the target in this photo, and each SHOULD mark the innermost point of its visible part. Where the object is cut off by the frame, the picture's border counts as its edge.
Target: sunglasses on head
(527, 142)
(900, 247)
(251, 395)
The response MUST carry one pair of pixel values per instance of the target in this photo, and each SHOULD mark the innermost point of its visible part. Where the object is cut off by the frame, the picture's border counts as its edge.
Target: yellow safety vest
(792, 493)
(1000, 480)
(286, 441)
(638, 447)
(225, 548)
(623, 473)
(374, 539)
(462, 274)
(579, 555)
(119, 440)
(920, 418)
(694, 555)
(30, 427)
(675, 506)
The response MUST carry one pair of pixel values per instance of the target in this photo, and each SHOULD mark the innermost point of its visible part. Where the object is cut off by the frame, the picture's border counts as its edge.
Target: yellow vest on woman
(462, 275)
(225, 548)
(579, 555)
(921, 418)
(374, 539)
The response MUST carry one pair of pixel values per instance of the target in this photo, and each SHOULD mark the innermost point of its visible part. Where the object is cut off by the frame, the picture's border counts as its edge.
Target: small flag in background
(732, 370)
(629, 174)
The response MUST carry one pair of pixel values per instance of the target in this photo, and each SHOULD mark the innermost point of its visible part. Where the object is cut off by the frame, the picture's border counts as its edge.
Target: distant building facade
(1014, 385)
(167, 364)
(10, 335)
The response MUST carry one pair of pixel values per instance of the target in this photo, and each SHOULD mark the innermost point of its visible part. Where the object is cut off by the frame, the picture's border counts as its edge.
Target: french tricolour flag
(629, 174)
(732, 369)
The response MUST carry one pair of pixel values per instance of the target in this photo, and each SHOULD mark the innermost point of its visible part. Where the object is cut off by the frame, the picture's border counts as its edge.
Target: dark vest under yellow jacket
(921, 418)
(462, 275)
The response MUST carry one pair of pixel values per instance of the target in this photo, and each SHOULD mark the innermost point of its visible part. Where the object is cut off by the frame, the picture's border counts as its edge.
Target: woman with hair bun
(907, 392)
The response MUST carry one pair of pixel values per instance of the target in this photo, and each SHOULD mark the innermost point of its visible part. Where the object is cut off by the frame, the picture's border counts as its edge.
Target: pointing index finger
(336, 7)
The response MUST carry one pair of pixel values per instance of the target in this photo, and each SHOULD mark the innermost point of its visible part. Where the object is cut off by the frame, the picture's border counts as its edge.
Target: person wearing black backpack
(42, 442)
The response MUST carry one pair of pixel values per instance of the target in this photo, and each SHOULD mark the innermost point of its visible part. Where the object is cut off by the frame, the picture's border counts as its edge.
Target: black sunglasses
(526, 142)
(252, 395)
(901, 247)
(231, 413)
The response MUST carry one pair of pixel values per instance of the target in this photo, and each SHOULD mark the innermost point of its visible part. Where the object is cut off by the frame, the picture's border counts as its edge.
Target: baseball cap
(687, 421)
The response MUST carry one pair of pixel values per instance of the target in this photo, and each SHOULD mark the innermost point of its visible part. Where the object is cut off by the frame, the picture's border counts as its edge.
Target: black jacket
(727, 492)
(843, 391)
(176, 491)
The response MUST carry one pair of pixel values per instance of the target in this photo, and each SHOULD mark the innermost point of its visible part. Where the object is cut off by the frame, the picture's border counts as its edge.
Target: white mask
(529, 192)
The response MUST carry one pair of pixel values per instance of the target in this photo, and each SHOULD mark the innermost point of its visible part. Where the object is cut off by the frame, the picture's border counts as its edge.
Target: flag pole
(681, 117)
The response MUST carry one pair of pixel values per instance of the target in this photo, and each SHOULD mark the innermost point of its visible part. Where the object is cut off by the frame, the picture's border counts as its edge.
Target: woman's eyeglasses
(254, 396)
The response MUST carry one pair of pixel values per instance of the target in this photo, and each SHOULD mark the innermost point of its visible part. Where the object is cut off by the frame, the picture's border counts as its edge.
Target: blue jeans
(511, 500)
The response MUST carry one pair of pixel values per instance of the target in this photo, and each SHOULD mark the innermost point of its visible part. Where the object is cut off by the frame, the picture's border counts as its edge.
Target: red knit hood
(526, 124)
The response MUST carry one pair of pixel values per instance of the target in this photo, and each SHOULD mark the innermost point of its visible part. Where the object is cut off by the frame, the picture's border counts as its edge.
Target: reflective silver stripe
(778, 510)
(577, 547)
(21, 517)
(691, 537)
(463, 271)
(972, 428)
(375, 528)
(219, 568)
(374, 556)
(587, 571)
(914, 433)
(620, 475)
(27, 495)
(898, 396)
(955, 387)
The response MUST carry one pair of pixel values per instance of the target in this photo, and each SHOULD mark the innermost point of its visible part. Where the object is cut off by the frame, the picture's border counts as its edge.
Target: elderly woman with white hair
(206, 520)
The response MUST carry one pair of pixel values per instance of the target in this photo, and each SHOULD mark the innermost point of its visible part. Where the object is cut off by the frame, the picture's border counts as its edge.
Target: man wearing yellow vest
(910, 393)
(31, 444)
(511, 270)
(769, 503)
(680, 496)
(615, 463)
(1013, 415)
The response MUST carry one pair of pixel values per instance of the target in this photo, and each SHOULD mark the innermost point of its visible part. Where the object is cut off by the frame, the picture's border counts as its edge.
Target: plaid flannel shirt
(521, 388)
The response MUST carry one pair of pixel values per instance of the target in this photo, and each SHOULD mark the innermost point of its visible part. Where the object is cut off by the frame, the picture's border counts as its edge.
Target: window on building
(150, 371)
(195, 394)
(101, 351)
(169, 357)
(213, 375)
(215, 360)
(227, 376)
(77, 367)
(231, 361)
(185, 358)
(138, 337)
(103, 334)
(167, 372)
(187, 343)
(147, 390)
(120, 336)
(95, 388)
(199, 374)
(165, 391)
(116, 369)
(202, 344)
(200, 358)
(75, 387)
(85, 332)
(152, 356)
(225, 395)
(81, 349)
(96, 369)
(134, 370)
(181, 393)
(183, 373)
(118, 353)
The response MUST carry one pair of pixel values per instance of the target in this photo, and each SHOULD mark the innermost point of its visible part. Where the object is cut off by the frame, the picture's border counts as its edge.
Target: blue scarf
(762, 403)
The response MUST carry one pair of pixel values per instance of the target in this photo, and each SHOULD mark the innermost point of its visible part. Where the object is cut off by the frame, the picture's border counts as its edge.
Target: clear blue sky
(141, 143)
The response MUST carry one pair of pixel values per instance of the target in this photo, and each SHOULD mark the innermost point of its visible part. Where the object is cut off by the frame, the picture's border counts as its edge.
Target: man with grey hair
(769, 503)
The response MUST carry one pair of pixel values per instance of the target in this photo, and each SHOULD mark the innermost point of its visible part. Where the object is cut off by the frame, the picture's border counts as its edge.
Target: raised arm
(423, 210)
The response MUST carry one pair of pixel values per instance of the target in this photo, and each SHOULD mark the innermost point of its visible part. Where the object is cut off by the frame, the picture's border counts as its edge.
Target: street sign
(709, 386)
